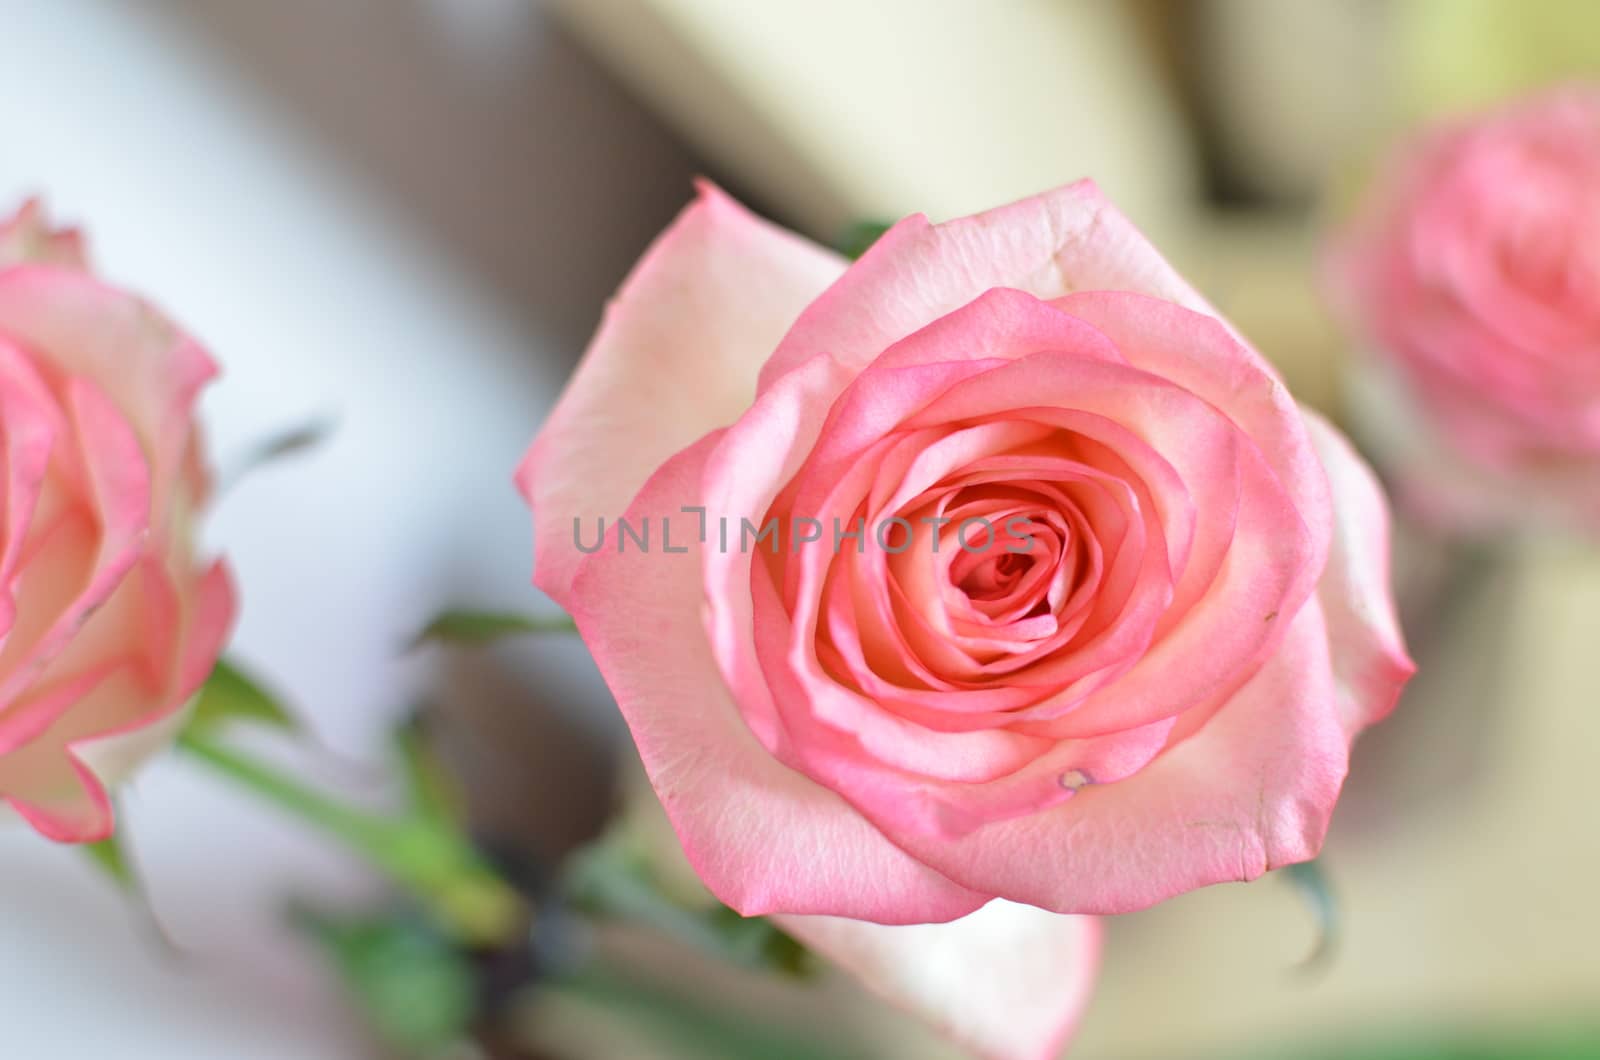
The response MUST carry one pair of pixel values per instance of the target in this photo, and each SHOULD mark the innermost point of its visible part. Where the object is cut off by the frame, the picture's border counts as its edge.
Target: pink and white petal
(1069, 239)
(74, 325)
(1008, 982)
(1370, 662)
(114, 749)
(64, 801)
(61, 792)
(208, 625)
(1251, 790)
(59, 782)
(764, 838)
(32, 715)
(114, 758)
(676, 356)
(118, 487)
(30, 423)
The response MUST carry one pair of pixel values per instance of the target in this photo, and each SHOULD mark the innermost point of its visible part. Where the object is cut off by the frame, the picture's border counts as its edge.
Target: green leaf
(461, 626)
(1312, 883)
(605, 880)
(416, 990)
(290, 442)
(109, 857)
(859, 236)
(431, 858)
(431, 792)
(230, 695)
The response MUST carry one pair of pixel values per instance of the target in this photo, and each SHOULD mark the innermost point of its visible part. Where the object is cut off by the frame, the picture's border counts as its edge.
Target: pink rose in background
(109, 626)
(1475, 272)
(1065, 608)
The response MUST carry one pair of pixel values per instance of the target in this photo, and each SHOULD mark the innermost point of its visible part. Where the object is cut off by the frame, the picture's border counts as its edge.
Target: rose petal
(113, 754)
(74, 325)
(1370, 663)
(118, 495)
(1069, 239)
(1008, 981)
(676, 356)
(30, 422)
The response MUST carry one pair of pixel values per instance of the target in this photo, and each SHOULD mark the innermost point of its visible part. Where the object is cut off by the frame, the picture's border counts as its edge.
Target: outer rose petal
(763, 838)
(59, 782)
(1069, 239)
(1370, 663)
(676, 356)
(151, 371)
(113, 756)
(30, 423)
(75, 808)
(1251, 790)
(118, 488)
(1008, 981)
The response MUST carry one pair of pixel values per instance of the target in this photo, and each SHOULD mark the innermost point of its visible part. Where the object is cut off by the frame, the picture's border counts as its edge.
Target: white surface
(320, 298)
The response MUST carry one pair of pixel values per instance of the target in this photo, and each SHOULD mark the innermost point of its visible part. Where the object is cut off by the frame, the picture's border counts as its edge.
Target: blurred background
(402, 218)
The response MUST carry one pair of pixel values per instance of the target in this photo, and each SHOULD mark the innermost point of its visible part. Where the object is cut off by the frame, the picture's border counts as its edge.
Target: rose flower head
(1473, 270)
(987, 578)
(108, 623)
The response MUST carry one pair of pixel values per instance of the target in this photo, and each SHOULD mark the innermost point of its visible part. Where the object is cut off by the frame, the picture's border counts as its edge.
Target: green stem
(355, 828)
(420, 851)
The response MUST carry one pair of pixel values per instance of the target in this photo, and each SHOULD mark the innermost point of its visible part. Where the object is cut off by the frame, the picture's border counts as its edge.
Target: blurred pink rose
(108, 624)
(1475, 271)
(1114, 609)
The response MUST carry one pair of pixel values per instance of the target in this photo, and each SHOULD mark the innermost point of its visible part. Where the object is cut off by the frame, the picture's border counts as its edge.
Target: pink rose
(108, 624)
(1475, 269)
(1158, 692)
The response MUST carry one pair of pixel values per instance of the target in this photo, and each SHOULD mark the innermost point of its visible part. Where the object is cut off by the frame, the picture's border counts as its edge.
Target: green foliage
(461, 626)
(607, 880)
(431, 792)
(109, 857)
(230, 695)
(1309, 879)
(859, 236)
(421, 849)
(416, 990)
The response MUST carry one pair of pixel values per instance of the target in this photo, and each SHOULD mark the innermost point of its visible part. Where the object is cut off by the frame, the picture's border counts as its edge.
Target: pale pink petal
(1069, 239)
(1370, 662)
(72, 805)
(30, 423)
(113, 753)
(75, 326)
(676, 356)
(764, 838)
(50, 784)
(101, 730)
(118, 494)
(1008, 982)
(208, 624)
